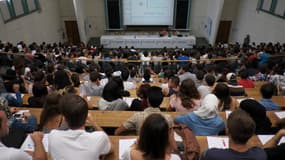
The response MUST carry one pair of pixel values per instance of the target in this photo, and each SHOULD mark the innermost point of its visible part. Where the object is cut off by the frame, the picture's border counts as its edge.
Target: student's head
(61, 79)
(267, 90)
(243, 74)
(38, 76)
(173, 82)
(75, 79)
(112, 91)
(210, 80)
(153, 140)
(94, 76)
(4, 127)
(39, 89)
(74, 109)
(222, 91)
(142, 91)
(51, 113)
(146, 76)
(155, 96)
(200, 75)
(240, 126)
(125, 74)
(187, 92)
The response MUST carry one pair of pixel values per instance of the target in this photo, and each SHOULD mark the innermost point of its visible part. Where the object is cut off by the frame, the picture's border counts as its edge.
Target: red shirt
(246, 83)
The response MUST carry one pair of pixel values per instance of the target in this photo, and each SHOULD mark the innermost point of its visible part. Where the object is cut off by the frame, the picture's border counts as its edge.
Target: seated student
(258, 113)
(156, 128)
(187, 99)
(166, 75)
(185, 74)
(173, 86)
(112, 97)
(244, 81)
(76, 143)
(135, 122)
(199, 78)
(235, 89)
(267, 91)
(39, 95)
(26, 121)
(16, 154)
(226, 101)
(141, 103)
(205, 121)
(147, 77)
(207, 89)
(92, 87)
(240, 128)
(273, 149)
(13, 101)
(127, 84)
(51, 116)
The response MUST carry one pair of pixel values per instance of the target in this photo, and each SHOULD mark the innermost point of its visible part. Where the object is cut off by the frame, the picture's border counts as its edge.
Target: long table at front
(147, 41)
(116, 118)
(202, 140)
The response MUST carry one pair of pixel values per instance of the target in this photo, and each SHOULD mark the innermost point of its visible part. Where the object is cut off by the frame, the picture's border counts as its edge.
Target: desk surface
(202, 140)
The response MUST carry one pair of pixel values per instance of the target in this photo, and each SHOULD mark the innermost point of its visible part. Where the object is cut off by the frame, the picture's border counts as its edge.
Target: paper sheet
(218, 142)
(128, 100)
(124, 145)
(280, 115)
(265, 138)
(29, 145)
(228, 114)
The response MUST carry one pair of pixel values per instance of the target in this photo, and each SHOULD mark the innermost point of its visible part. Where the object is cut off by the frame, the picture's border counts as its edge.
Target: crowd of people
(205, 81)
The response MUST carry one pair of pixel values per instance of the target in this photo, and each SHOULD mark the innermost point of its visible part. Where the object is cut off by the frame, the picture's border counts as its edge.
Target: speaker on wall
(182, 7)
(113, 7)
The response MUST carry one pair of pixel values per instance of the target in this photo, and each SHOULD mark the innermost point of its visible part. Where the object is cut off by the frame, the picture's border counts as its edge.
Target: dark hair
(187, 91)
(210, 80)
(153, 140)
(74, 109)
(240, 126)
(267, 90)
(243, 74)
(200, 75)
(61, 79)
(39, 89)
(125, 74)
(112, 91)
(155, 96)
(168, 74)
(143, 91)
(75, 80)
(222, 91)
(38, 76)
(50, 109)
(175, 80)
(94, 76)
(146, 76)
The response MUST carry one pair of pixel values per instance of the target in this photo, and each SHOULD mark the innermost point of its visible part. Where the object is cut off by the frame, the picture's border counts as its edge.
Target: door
(72, 32)
(224, 32)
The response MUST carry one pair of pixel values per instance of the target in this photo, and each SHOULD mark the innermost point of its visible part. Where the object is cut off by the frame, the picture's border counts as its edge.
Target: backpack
(190, 145)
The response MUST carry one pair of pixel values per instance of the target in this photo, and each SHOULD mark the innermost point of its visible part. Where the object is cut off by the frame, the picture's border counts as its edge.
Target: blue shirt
(201, 127)
(269, 104)
(263, 58)
(181, 64)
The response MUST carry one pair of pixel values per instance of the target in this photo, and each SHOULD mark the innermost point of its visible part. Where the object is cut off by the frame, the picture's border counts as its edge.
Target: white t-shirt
(127, 155)
(12, 154)
(78, 144)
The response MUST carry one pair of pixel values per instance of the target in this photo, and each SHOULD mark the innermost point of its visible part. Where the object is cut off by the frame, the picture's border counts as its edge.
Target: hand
(281, 132)
(37, 137)
(16, 87)
(13, 109)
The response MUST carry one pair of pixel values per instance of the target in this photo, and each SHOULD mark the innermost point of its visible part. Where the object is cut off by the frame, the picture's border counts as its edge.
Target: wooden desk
(93, 101)
(202, 140)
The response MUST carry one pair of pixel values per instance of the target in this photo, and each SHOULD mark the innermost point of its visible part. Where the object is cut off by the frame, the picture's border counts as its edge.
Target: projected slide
(148, 12)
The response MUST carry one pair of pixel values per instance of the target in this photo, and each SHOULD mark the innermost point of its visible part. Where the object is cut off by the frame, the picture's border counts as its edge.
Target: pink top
(175, 102)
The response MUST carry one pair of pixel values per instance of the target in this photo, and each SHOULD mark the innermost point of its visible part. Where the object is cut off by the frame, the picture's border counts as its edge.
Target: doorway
(224, 32)
(72, 32)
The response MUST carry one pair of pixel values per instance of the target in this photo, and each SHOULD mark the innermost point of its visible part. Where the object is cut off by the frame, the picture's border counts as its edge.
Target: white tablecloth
(151, 41)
